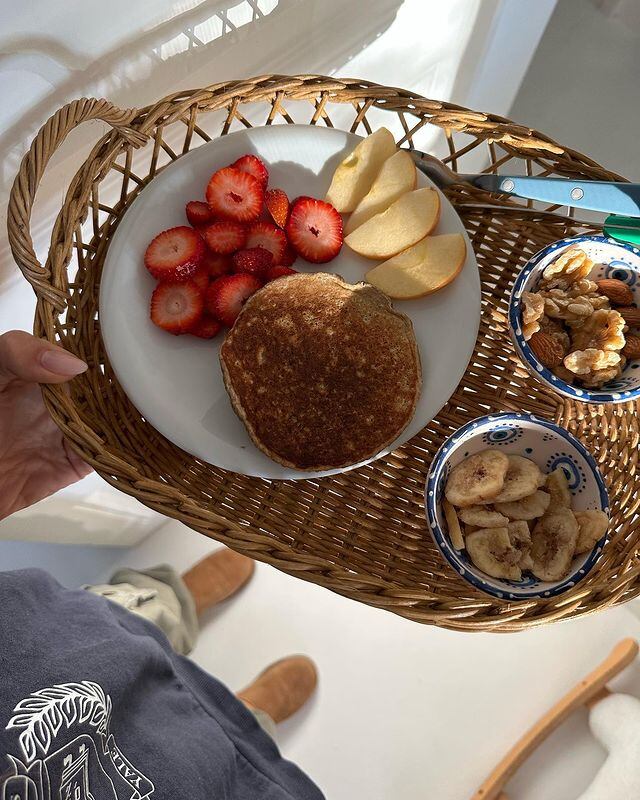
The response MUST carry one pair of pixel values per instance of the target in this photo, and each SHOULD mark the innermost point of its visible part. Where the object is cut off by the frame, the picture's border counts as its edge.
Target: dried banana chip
(491, 551)
(530, 507)
(592, 526)
(558, 487)
(522, 479)
(482, 517)
(520, 538)
(477, 479)
(553, 544)
(453, 525)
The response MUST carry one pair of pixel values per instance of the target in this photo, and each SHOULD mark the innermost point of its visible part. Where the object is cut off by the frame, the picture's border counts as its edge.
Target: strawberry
(176, 307)
(234, 194)
(199, 213)
(206, 327)
(216, 265)
(314, 230)
(225, 237)
(279, 271)
(253, 166)
(266, 235)
(174, 255)
(226, 296)
(255, 260)
(288, 257)
(201, 279)
(277, 204)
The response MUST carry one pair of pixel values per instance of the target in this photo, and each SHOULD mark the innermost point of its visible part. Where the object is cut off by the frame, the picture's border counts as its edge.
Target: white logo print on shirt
(90, 766)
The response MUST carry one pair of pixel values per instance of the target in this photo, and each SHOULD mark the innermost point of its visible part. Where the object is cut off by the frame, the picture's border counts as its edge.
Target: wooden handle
(32, 168)
(620, 657)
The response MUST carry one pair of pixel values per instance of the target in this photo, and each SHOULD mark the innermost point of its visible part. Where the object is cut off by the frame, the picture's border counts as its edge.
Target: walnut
(586, 362)
(603, 330)
(558, 306)
(572, 264)
(601, 376)
(532, 310)
(583, 286)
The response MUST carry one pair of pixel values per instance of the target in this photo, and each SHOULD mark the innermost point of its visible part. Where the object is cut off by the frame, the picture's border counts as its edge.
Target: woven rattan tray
(363, 533)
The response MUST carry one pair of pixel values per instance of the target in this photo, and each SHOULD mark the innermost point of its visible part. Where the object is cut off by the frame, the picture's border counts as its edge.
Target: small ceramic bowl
(611, 259)
(547, 444)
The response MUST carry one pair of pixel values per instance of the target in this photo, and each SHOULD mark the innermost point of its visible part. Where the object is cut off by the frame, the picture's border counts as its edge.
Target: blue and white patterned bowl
(547, 444)
(611, 259)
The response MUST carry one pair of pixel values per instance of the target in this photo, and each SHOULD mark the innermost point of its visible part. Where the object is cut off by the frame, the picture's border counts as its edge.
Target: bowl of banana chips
(517, 506)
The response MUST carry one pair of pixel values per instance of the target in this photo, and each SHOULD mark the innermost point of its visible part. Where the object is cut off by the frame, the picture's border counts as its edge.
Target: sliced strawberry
(206, 327)
(199, 213)
(175, 254)
(201, 278)
(253, 166)
(176, 307)
(216, 265)
(277, 204)
(226, 296)
(225, 237)
(288, 257)
(279, 271)
(256, 261)
(234, 194)
(314, 230)
(264, 234)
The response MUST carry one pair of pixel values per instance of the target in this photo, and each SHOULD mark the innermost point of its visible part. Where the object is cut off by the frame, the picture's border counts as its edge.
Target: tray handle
(23, 192)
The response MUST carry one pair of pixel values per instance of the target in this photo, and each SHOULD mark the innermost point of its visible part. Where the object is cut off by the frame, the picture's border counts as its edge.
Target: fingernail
(62, 363)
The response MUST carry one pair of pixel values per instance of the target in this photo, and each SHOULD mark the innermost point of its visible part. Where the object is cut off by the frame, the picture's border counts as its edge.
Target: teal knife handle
(605, 196)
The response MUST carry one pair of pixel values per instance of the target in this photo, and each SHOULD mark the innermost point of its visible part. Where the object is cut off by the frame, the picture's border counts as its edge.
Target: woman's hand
(35, 460)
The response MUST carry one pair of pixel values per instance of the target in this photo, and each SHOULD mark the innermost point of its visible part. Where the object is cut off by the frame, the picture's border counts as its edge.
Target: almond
(618, 292)
(547, 350)
(632, 347)
(631, 316)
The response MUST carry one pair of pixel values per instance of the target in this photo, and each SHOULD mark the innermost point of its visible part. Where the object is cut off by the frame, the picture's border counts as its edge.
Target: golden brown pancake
(323, 374)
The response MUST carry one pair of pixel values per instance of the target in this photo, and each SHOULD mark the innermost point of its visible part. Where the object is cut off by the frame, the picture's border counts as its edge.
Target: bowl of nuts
(517, 506)
(574, 318)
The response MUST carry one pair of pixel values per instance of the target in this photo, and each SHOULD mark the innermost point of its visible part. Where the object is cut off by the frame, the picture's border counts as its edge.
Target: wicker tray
(363, 533)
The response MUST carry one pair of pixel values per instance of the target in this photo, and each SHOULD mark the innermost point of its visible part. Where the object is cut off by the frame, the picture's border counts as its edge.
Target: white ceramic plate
(175, 381)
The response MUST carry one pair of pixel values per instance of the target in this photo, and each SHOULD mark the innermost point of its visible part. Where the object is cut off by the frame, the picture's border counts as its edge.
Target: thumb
(27, 359)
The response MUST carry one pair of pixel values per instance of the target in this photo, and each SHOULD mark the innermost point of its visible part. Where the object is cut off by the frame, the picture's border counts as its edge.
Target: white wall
(473, 52)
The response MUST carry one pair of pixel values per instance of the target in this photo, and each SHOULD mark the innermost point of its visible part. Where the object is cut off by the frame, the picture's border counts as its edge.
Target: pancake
(324, 374)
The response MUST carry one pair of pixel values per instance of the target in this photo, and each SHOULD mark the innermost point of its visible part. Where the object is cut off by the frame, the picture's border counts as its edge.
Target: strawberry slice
(216, 265)
(279, 271)
(199, 213)
(255, 260)
(288, 257)
(175, 254)
(201, 278)
(234, 194)
(226, 296)
(225, 237)
(314, 230)
(277, 204)
(268, 236)
(253, 166)
(176, 307)
(206, 327)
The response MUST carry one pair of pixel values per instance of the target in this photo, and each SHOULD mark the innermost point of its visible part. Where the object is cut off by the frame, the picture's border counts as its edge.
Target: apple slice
(412, 217)
(397, 176)
(354, 176)
(423, 269)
